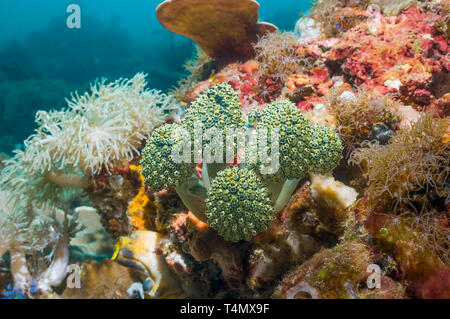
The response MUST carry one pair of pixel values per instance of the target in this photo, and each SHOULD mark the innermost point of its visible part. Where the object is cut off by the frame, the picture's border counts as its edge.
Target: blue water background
(42, 61)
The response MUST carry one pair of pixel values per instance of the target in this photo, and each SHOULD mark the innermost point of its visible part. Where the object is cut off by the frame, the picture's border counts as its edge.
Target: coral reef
(362, 116)
(419, 243)
(303, 147)
(335, 17)
(405, 61)
(338, 165)
(203, 243)
(24, 233)
(316, 147)
(140, 251)
(160, 171)
(277, 55)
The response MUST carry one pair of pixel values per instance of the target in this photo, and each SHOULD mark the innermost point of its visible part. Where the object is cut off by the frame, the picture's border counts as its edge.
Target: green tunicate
(158, 167)
(238, 204)
(303, 147)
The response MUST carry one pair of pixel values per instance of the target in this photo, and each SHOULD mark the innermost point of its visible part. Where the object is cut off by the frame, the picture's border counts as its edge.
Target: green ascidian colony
(158, 167)
(303, 147)
(239, 206)
(219, 107)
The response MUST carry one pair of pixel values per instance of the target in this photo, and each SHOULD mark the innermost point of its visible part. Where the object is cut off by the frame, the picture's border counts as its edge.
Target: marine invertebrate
(358, 114)
(28, 187)
(14, 230)
(413, 168)
(198, 67)
(203, 243)
(224, 29)
(420, 244)
(56, 272)
(110, 193)
(234, 229)
(303, 148)
(329, 192)
(306, 89)
(333, 18)
(159, 169)
(141, 209)
(114, 118)
(238, 204)
(338, 16)
(327, 274)
(339, 272)
(218, 108)
(409, 181)
(271, 257)
(243, 78)
(278, 57)
(381, 62)
(317, 209)
(417, 236)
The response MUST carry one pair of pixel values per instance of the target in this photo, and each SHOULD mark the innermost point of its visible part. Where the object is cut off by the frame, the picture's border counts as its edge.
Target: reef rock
(103, 280)
(340, 272)
(404, 56)
(203, 243)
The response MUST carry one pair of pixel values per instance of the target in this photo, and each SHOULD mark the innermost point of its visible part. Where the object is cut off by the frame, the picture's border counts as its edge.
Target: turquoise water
(42, 61)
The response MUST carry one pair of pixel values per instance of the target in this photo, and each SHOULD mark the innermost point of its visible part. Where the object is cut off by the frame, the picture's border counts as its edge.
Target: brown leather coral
(224, 29)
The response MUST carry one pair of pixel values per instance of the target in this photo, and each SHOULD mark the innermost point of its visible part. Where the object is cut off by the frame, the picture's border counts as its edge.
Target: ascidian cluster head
(303, 147)
(239, 205)
(326, 149)
(219, 107)
(160, 171)
(216, 111)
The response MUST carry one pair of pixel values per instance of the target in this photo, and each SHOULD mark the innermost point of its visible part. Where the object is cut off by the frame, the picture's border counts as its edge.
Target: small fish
(139, 251)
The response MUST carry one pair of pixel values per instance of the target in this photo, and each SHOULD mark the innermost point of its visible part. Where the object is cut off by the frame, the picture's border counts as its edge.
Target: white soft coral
(97, 130)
